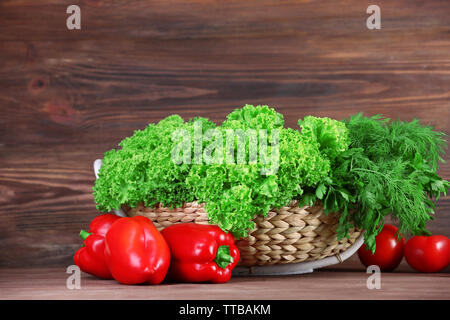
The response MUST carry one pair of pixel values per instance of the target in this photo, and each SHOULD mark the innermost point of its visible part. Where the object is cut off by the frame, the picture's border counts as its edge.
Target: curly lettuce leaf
(332, 135)
(142, 169)
(235, 193)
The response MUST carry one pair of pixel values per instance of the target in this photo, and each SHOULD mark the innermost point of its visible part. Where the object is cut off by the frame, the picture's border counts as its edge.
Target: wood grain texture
(50, 283)
(68, 96)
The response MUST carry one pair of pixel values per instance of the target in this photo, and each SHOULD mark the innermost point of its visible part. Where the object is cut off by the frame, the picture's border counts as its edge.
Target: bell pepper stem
(84, 234)
(223, 257)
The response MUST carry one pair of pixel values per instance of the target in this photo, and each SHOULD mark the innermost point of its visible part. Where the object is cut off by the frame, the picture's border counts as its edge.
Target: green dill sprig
(389, 169)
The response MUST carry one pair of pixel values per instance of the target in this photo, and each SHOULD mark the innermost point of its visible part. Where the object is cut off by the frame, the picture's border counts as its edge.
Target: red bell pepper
(200, 253)
(136, 252)
(90, 257)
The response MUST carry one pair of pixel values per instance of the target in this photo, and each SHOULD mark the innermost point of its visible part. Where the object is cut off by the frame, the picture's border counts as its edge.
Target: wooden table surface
(50, 283)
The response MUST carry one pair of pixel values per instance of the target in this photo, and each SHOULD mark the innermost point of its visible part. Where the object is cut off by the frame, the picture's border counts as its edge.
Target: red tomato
(428, 254)
(388, 252)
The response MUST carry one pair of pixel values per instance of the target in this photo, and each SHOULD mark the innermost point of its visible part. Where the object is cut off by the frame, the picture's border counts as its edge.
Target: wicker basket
(290, 240)
(291, 234)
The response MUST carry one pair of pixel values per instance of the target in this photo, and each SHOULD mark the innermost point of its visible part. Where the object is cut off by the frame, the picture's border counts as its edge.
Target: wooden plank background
(68, 96)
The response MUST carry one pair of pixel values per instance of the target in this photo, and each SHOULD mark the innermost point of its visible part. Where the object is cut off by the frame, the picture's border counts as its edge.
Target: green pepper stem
(84, 234)
(223, 257)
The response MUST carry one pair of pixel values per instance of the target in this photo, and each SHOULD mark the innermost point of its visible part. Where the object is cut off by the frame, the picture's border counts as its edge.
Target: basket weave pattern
(290, 234)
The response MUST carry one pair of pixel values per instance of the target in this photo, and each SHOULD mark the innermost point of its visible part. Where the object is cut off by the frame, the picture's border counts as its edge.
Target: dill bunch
(390, 168)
